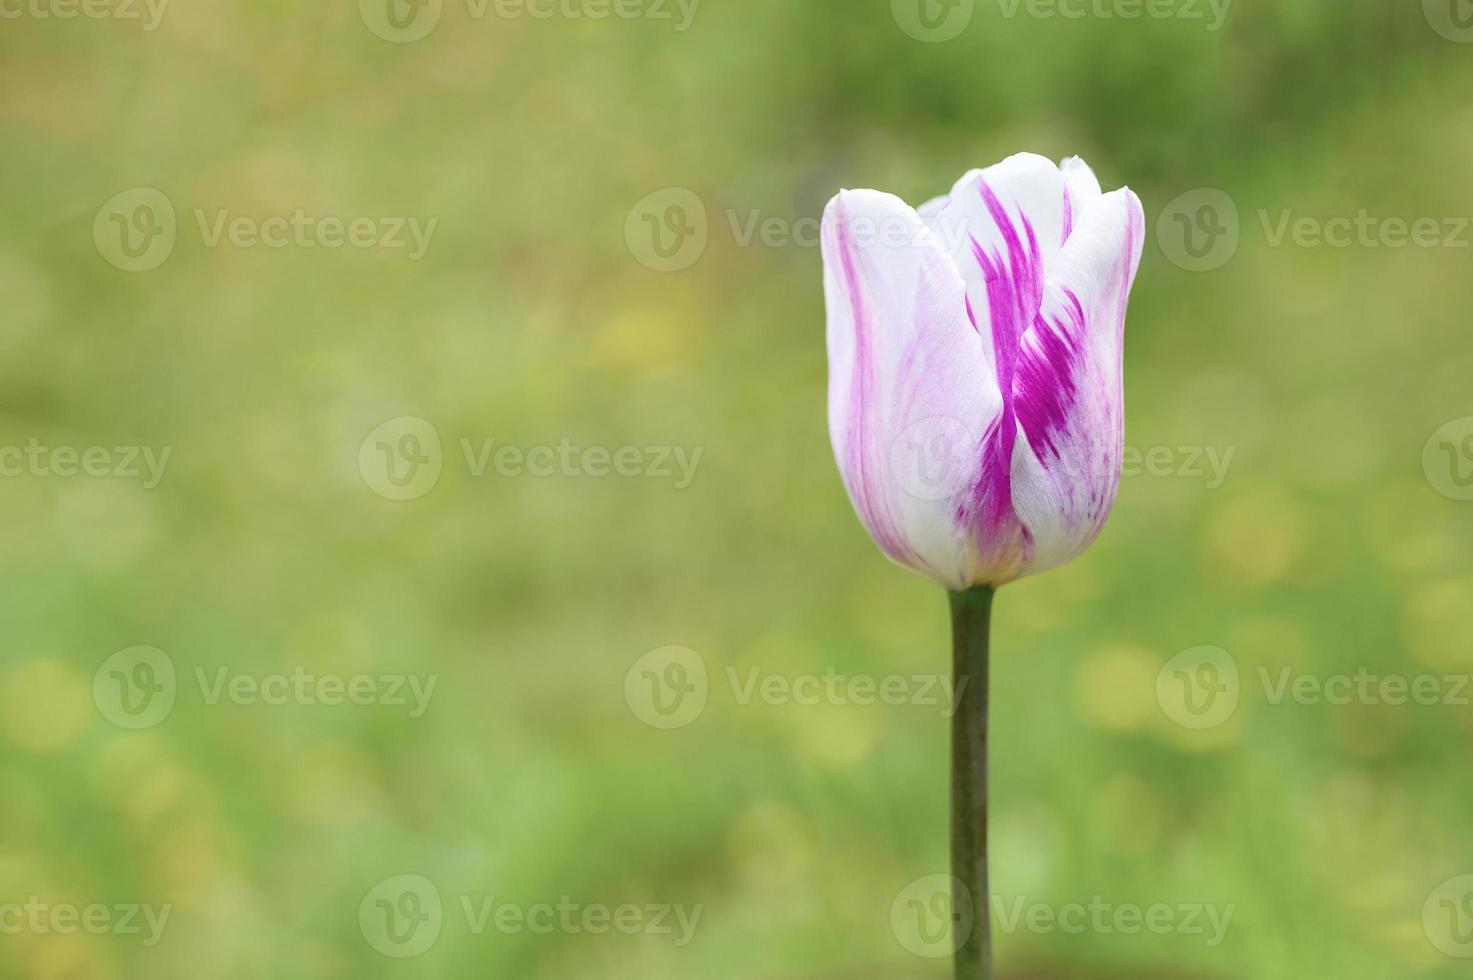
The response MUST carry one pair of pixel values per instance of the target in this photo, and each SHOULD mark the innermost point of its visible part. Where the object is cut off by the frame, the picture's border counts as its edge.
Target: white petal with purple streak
(906, 369)
(1069, 390)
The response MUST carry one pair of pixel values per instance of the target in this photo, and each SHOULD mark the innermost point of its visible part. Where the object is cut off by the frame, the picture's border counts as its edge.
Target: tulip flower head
(975, 382)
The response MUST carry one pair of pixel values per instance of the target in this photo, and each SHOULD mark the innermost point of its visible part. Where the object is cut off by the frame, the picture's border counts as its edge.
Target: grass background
(531, 320)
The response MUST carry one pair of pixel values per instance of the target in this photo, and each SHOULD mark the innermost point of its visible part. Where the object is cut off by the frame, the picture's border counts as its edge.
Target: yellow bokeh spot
(1403, 532)
(135, 775)
(1115, 688)
(335, 640)
(44, 704)
(1435, 623)
(836, 736)
(1406, 936)
(335, 784)
(1256, 540)
(192, 862)
(68, 956)
(771, 844)
(642, 343)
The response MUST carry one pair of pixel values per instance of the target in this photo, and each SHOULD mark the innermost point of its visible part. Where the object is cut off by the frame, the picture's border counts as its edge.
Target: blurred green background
(543, 149)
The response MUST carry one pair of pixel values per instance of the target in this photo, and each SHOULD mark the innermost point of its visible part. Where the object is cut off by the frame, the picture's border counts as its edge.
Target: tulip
(976, 408)
(975, 399)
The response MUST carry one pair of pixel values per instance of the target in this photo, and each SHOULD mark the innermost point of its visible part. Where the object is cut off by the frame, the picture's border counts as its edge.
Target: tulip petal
(1007, 221)
(1068, 388)
(912, 396)
(1004, 227)
(1081, 191)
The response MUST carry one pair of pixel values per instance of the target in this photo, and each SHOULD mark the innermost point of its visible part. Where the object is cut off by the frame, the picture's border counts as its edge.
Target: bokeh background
(546, 151)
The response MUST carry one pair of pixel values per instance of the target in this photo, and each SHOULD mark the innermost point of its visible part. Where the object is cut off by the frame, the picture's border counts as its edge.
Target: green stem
(971, 619)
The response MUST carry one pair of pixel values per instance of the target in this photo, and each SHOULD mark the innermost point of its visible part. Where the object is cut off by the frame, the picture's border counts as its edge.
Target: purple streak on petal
(1014, 282)
(869, 491)
(1068, 215)
(992, 495)
(1046, 383)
